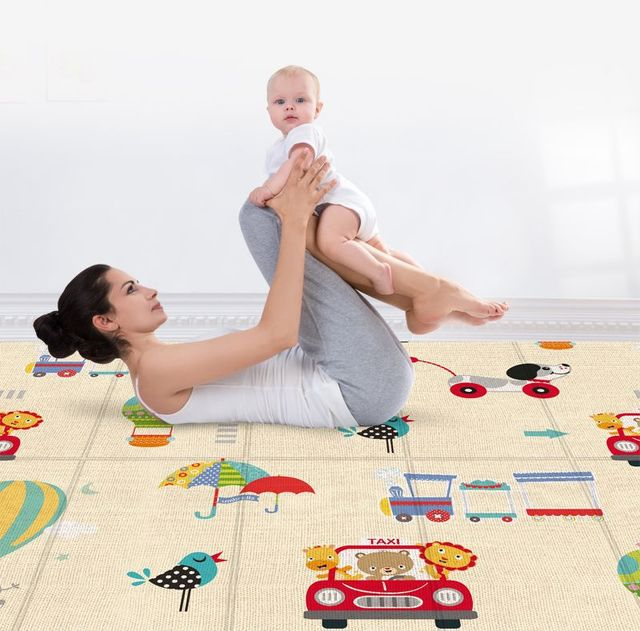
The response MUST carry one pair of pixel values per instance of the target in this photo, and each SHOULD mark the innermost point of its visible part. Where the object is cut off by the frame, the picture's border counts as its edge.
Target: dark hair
(70, 328)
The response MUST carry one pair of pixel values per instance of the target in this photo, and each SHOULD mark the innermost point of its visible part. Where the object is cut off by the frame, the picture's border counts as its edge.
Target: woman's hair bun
(71, 330)
(49, 329)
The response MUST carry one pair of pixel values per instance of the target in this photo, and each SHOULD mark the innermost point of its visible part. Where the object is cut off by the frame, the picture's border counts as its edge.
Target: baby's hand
(260, 195)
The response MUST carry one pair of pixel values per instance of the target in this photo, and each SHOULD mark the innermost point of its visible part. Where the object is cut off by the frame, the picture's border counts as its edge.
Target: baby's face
(291, 101)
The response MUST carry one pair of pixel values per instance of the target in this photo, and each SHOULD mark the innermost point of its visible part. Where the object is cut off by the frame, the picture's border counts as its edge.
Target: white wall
(499, 141)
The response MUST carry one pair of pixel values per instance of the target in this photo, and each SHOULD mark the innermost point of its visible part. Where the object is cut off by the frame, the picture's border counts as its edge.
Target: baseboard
(192, 315)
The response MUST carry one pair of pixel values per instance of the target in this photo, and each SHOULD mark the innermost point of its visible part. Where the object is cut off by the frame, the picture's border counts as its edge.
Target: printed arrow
(549, 433)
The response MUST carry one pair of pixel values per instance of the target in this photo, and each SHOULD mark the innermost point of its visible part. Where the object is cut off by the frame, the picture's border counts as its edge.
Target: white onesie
(289, 388)
(345, 192)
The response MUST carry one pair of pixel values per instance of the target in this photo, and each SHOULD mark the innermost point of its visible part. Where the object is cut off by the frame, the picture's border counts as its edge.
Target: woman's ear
(103, 323)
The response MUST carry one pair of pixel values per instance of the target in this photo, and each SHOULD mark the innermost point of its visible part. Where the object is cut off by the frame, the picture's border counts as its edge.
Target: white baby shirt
(345, 192)
(289, 388)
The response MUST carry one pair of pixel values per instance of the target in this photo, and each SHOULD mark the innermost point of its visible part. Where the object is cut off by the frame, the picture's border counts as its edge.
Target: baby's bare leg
(407, 277)
(337, 228)
(434, 297)
(364, 285)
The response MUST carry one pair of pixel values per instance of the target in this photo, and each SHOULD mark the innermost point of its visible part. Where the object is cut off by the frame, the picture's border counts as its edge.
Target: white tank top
(289, 388)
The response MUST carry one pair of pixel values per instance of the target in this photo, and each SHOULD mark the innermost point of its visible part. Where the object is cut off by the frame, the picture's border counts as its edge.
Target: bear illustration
(386, 564)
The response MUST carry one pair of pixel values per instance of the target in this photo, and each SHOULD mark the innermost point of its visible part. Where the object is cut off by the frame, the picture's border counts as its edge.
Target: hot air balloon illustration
(27, 507)
(149, 430)
(629, 571)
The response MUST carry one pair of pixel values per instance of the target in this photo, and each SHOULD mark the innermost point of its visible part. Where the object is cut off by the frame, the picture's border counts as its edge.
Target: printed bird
(193, 571)
(395, 427)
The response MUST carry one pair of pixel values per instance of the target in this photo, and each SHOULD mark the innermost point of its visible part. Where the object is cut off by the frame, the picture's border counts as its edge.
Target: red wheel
(119, 374)
(507, 518)
(438, 515)
(468, 390)
(67, 372)
(540, 390)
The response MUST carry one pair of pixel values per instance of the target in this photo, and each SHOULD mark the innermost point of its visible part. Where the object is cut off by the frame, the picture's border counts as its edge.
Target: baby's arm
(277, 181)
(273, 185)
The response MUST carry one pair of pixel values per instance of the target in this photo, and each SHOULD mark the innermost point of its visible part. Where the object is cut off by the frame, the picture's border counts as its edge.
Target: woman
(321, 355)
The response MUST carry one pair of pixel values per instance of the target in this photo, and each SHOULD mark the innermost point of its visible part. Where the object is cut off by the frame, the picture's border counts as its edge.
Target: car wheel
(334, 624)
(634, 463)
(447, 624)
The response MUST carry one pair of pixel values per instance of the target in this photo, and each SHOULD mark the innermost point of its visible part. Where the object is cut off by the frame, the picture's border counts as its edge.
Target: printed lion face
(448, 555)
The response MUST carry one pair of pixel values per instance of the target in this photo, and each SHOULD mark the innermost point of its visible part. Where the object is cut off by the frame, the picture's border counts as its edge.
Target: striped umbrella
(216, 473)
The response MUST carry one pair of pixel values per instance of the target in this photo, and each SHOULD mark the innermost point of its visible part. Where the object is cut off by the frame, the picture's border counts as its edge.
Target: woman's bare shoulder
(170, 369)
(154, 381)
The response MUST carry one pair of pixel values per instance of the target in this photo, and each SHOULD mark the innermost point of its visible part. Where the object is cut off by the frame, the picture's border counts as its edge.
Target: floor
(504, 495)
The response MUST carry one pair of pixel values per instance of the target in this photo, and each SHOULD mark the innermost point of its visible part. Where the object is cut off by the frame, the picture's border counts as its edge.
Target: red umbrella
(277, 484)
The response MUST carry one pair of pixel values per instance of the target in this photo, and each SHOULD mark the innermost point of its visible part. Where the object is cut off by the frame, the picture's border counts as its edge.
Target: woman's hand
(300, 195)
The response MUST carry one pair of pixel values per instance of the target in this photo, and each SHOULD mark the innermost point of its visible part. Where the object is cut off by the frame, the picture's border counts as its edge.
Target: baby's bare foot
(383, 284)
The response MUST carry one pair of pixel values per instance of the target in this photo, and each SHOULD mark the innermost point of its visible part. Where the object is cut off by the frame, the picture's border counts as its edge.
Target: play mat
(505, 495)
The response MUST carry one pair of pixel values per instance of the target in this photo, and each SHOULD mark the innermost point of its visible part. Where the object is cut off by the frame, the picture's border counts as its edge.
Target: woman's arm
(173, 368)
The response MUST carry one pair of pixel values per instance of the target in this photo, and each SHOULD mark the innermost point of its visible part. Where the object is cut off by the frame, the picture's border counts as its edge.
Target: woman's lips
(156, 307)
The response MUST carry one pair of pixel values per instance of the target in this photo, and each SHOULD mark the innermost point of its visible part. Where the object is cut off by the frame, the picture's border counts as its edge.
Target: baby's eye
(279, 101)
(300, 99)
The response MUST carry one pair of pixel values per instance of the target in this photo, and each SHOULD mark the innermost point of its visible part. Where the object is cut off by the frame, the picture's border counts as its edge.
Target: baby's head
(293, 97)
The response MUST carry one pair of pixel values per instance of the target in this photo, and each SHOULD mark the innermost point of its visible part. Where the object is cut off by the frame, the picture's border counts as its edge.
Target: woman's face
(133, 307)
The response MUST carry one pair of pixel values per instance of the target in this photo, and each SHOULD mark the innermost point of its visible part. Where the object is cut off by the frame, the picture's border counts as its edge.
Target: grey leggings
(339, 328)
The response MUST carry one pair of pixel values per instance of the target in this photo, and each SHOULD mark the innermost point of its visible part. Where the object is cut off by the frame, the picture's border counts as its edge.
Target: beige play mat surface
(505, 495)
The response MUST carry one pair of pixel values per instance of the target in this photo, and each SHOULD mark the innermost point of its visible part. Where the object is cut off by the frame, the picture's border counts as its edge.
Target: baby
(347, 218)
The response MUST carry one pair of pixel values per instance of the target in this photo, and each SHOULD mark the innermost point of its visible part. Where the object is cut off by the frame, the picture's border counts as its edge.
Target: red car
(625, 446)
(407, 593)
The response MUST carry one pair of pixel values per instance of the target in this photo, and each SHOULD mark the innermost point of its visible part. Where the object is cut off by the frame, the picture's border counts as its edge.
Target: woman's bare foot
(451, 297)
(459, 316)
(420, 328)
(468, 303)
(383, 284)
